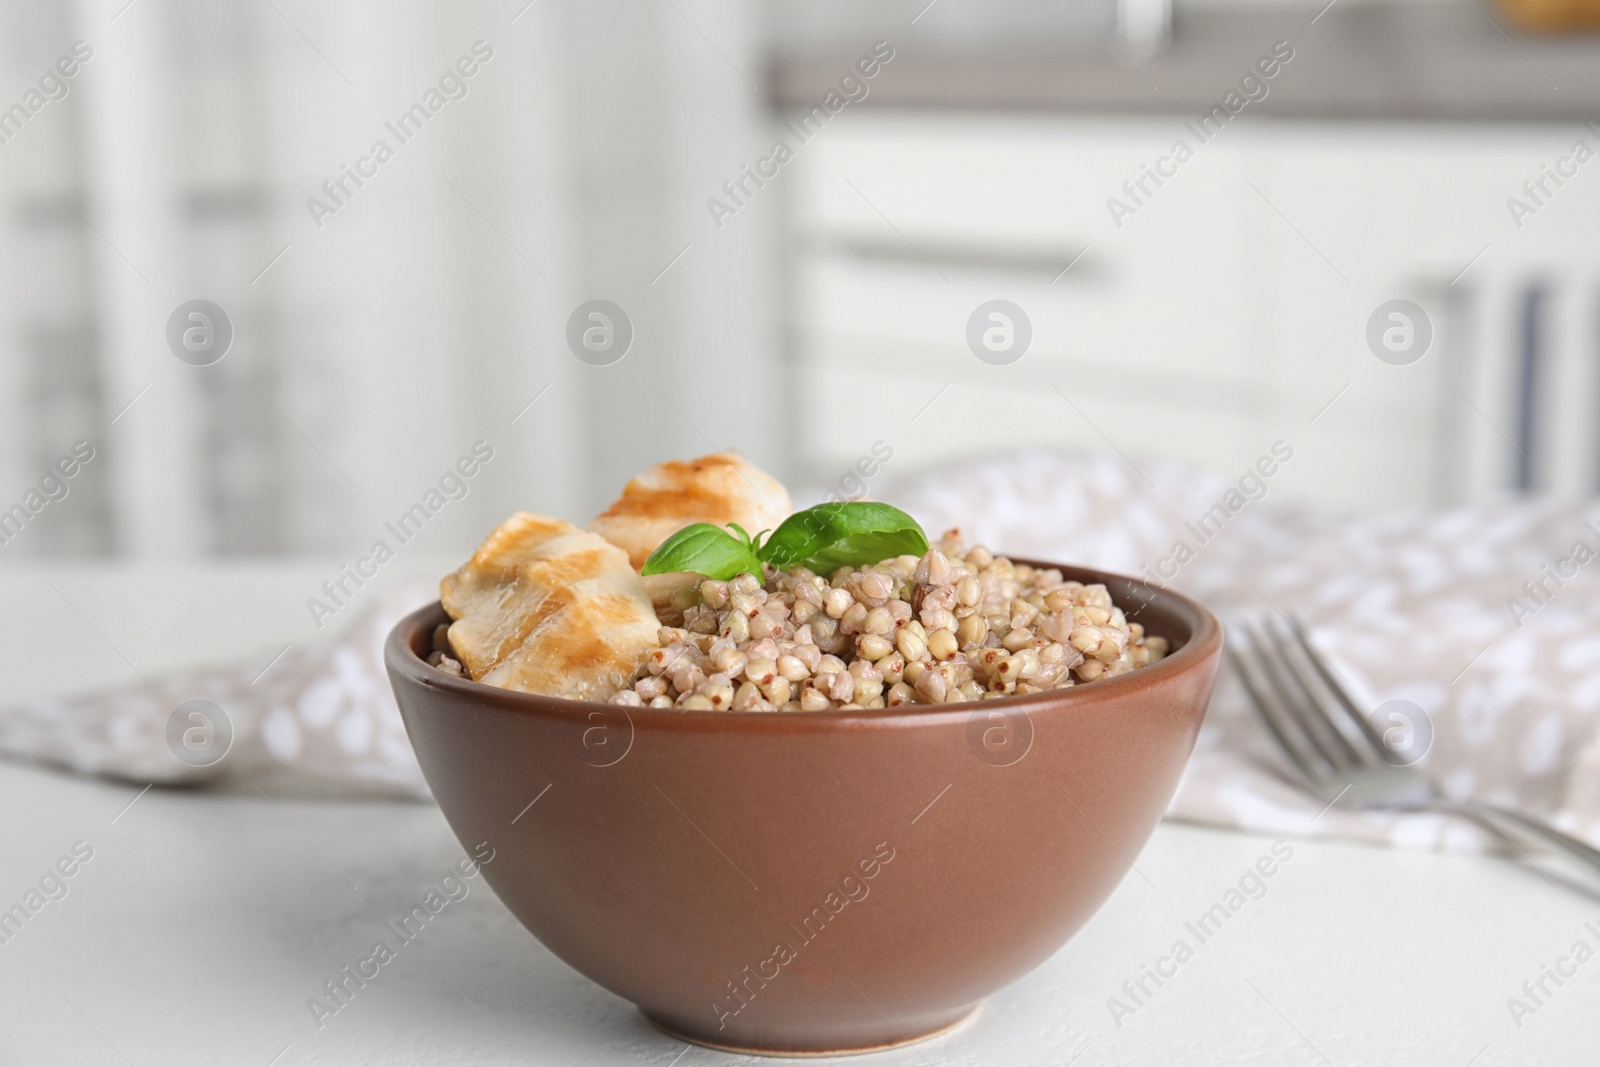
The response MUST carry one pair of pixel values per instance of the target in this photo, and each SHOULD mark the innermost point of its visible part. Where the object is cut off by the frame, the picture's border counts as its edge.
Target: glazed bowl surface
(813, 882)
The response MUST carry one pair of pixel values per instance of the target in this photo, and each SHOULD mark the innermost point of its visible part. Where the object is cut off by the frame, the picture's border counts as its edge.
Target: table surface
(203, 922)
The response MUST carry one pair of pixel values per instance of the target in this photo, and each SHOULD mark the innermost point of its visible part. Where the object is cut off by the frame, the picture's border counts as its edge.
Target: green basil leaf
(843, 533)
(860, 550)
(703, 549)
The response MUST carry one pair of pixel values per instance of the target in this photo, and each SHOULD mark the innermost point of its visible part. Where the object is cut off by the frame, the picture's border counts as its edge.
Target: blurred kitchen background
(827, 310)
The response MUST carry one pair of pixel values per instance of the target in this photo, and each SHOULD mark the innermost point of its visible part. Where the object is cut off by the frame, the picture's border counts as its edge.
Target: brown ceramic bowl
(818, 882)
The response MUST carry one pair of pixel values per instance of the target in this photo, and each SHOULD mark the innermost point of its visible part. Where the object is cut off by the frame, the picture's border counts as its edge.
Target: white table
(204, 922)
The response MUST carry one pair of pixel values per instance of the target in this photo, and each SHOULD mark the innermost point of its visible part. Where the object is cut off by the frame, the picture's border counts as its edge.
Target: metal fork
(1344, 759)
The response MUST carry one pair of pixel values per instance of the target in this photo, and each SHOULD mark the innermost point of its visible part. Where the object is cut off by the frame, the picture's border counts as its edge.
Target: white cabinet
(1225, 313)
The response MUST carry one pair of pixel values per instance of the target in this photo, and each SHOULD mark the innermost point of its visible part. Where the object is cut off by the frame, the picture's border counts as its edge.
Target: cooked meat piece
(718, 489)
(544, 607)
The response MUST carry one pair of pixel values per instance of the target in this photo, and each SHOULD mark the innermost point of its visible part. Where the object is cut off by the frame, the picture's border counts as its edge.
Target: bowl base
(899, 1040)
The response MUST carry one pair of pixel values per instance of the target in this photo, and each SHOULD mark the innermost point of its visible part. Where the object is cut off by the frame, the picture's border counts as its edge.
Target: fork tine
(1347, 707)
(1343, 750)
(1299, 705)
(1248, 659)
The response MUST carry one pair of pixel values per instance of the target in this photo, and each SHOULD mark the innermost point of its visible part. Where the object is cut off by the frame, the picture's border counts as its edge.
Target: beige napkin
(319, 720)
(1410, 606)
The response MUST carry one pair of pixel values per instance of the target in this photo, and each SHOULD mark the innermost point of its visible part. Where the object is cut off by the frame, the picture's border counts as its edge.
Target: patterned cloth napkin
(1486, 617)
(1416, 606)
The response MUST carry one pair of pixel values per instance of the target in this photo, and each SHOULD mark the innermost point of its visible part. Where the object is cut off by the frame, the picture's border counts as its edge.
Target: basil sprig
(843, 533)
(705, 549)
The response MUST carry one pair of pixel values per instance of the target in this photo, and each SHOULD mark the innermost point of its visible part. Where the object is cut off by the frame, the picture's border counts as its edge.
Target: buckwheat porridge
(945, 627)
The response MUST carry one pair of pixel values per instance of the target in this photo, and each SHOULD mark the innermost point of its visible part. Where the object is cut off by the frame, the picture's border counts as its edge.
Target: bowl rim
(1203, 645)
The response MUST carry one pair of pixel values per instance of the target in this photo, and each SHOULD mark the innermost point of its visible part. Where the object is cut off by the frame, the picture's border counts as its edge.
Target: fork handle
(1553, 850)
